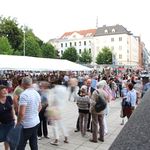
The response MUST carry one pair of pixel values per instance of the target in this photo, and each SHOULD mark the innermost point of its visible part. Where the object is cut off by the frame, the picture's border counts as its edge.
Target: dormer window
(113, 30)
(106, 31)
(74, 36)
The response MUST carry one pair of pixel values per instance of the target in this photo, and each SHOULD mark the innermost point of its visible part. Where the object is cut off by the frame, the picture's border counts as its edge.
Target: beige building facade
(123, 44)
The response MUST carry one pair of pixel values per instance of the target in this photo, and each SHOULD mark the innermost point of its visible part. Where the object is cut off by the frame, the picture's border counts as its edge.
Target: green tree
(48, 51)
(104, 56)
(5, 47)
(85, 57)
(9, 28)
(70, 54)
(32, 47)
(32, 44)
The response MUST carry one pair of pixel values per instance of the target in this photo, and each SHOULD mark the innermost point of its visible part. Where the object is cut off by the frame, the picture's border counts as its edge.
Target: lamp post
(24, 42)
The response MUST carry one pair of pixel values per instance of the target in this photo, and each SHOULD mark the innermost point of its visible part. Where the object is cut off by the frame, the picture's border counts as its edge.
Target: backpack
(100, 103)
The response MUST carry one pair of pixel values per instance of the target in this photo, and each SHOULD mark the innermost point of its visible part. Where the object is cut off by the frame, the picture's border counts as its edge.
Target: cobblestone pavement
(76, 141)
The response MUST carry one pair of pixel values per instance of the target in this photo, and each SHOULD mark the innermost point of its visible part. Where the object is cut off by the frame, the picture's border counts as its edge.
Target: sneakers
(46, 137)
(40, 138)
(76, 130)
(91, 140)
(55, 142)
(66, 140)
(101, 139)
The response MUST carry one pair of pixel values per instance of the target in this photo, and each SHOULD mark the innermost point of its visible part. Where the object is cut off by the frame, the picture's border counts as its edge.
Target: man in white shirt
(29, 107)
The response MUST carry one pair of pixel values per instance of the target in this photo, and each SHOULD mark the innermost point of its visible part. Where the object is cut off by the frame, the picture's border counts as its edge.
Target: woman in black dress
(6, 115)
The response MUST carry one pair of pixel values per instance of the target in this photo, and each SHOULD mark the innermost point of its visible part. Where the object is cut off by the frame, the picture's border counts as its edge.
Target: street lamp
(24, 42)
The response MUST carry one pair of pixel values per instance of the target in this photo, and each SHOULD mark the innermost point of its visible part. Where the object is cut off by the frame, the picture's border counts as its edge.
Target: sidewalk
(76, 141)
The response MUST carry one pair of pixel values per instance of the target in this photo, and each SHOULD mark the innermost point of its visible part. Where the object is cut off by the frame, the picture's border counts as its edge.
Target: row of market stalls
(25, 63)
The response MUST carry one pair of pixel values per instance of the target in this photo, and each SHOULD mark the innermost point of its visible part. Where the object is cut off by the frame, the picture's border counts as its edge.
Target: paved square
(76, 141)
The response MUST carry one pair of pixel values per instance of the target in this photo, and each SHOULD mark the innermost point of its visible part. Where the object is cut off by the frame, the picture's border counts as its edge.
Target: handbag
(13, 136)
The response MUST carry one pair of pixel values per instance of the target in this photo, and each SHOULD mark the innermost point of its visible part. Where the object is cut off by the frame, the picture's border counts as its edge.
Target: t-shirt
(6, 115)
(31, 99)
(18, 90)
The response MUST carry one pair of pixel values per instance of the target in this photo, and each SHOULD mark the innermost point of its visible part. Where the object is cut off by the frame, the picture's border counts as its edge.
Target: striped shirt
(31, 99)
(83, 102)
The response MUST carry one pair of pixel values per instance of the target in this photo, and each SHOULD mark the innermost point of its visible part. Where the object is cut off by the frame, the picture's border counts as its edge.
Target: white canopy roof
(11, 62)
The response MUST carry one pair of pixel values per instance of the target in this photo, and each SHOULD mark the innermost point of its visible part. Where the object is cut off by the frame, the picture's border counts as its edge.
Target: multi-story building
(81, 40)
(123, 44)
(146, 56)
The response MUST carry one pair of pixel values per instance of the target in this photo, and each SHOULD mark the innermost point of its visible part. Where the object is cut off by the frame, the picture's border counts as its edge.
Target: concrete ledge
(136, 133)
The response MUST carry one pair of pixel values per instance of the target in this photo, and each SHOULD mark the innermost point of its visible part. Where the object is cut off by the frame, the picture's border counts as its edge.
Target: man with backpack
(98, 114)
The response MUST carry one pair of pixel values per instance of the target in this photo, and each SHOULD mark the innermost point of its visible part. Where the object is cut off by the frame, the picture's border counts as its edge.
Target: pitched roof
(85, 33)
(111, 30)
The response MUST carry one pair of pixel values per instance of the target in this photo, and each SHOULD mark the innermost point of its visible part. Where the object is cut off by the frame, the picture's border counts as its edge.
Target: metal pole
(24, 43)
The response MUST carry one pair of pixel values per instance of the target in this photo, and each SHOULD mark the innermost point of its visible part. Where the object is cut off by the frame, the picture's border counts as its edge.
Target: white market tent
(11, 62)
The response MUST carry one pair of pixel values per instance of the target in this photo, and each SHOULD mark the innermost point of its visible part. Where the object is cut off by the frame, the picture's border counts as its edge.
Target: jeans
(42, 125)
(83, 120)
(89, 124)
(31, 135)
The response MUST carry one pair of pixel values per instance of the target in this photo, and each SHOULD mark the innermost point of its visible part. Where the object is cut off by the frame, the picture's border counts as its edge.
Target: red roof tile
(89, 32)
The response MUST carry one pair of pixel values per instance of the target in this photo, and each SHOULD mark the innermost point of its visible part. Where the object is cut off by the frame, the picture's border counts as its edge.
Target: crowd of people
(37, 100)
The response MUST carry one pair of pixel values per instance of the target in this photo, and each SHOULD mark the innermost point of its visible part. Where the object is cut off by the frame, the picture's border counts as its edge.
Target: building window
(89, 50)
(62, 52)
(127, 59)
(66, 44)
(106, 31)
(113, 30)
(127, 42)
(80, 43)
(89, 42)
(112, 39)
(70, 44)
(120, 47)
(127, 51)
(75, 44)
(120, 56)
(79, 51)
(120, 38)
(84, 43)
(61, 44)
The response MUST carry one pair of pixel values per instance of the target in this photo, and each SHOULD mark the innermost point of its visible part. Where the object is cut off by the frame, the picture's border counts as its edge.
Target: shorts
(4, 130)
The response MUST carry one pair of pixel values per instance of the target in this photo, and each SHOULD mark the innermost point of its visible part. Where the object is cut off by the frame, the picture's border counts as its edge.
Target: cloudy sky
(51, 18)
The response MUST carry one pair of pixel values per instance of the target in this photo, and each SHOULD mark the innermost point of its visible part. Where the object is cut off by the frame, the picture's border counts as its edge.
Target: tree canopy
(5, 47)
(48, 51)
(85, 57)
(9, 28)
(70, 54)
(13, 37)
(104, 56)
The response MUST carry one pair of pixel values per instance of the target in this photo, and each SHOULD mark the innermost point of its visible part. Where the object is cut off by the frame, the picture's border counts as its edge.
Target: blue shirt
(131, 97)
(124, 92)
(93, 84)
